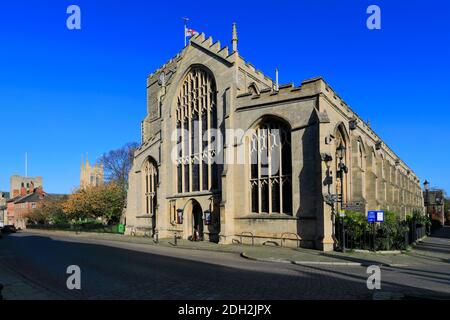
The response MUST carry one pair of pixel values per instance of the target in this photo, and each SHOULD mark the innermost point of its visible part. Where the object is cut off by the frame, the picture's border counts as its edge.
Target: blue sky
(64, 93)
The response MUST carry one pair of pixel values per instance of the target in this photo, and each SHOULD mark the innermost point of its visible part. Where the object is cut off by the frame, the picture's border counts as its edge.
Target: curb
(386, 252)
(246, 256)
(323, 263)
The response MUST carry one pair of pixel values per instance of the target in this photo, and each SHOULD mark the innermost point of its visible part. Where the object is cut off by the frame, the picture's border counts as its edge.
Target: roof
(31, 197)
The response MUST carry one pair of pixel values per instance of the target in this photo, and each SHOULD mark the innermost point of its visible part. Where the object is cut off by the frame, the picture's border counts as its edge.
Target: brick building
(18, 182)
(435, 205)
(19, 206)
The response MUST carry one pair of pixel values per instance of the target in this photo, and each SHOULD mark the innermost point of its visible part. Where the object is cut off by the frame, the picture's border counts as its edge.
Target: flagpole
(185, 29)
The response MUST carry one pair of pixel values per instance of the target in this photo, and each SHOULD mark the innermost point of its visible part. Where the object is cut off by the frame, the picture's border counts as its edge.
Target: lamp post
(426, 186)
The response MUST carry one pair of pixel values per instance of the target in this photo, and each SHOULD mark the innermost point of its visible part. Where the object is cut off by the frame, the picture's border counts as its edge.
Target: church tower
(91, 176)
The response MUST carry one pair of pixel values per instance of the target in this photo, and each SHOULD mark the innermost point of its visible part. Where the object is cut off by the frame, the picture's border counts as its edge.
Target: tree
(49, 210)
(117, 164)
(76, 207)
(105, 203)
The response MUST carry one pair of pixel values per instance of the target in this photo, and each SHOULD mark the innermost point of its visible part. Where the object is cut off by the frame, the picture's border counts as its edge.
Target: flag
(190, 32)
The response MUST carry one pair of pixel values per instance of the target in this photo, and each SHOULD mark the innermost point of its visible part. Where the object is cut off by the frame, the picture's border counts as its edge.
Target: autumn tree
(76, 207)
(105, 203)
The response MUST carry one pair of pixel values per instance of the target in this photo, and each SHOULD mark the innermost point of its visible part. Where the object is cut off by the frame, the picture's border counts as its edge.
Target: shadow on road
(116, 273)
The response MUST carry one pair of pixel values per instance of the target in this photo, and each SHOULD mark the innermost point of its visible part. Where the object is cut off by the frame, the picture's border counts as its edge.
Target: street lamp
(340, 152)
(426, 185)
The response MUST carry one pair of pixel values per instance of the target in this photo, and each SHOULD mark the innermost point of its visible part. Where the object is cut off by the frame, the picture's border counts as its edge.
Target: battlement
(314, 87)
(214, 47)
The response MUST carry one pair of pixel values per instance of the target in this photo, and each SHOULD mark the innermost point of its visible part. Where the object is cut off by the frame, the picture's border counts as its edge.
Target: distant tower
(90, 176)
(234, 39)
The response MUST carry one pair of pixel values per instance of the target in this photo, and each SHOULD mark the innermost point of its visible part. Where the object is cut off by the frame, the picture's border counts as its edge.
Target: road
(120, 270)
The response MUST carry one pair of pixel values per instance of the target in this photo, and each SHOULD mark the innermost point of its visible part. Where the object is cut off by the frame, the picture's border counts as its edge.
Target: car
(9, 229)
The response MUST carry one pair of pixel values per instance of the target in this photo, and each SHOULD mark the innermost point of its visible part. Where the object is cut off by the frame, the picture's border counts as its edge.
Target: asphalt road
(116, 270)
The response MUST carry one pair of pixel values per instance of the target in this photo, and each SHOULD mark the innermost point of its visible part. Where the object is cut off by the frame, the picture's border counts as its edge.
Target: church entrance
(197, 222)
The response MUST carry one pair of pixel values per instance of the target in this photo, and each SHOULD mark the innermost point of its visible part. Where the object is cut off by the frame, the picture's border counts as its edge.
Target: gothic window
(270, 168)
(196, 117)
(150, 183)
(341, 176)
(361, 163)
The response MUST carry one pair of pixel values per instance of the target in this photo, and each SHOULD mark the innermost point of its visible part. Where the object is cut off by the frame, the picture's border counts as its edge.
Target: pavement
(33, 266)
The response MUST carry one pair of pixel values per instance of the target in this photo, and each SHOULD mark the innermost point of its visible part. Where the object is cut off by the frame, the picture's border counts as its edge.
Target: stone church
(295, 157)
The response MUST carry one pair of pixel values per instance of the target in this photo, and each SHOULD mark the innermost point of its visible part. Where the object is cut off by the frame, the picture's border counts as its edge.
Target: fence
(91, 227)
(373, 238)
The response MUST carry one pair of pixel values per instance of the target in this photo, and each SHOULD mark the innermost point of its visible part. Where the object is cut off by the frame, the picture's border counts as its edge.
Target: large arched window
(341, 159)
(150, 184)
(271, 168)
(196, 117)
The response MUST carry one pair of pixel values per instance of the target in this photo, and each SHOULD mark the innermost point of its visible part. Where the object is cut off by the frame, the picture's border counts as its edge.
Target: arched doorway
(197, 222)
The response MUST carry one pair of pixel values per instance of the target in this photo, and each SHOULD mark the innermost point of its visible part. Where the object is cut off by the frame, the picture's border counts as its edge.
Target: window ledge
(145, 216)
(273, 216)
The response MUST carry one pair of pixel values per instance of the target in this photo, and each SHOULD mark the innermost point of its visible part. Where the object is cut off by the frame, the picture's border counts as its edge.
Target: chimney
(15, 193)
(40, 191)
(23, 191)
(31, 187)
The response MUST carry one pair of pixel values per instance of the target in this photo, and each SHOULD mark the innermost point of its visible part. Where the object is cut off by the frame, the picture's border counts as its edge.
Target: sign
(372, 216)
(207, 217)
(355, 206)
(342, 213)
(375, 216)
(179, 216)
(380, 216)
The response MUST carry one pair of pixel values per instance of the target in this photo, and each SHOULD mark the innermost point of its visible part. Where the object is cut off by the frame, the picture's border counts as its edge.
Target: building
(435, 205)
(18, 182)
(19, 206)
(91, 176)
(4, 196)
(229, 154)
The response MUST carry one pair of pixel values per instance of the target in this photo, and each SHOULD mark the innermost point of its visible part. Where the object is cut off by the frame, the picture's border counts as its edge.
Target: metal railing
(374, 238)
(248, 233)
(290, 233)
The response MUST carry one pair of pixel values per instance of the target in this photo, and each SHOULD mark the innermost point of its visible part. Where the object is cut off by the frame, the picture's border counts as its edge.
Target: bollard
(175, 239)
(156, 237)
